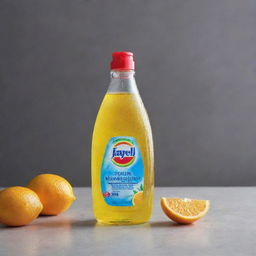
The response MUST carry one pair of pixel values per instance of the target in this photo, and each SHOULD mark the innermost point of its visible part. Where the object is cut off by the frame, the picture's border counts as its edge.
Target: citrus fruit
(55, 193)
(185, 210)
(19, 206)
(137, 198)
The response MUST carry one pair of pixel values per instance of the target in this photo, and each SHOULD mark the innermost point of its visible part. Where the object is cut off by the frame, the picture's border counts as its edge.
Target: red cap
(122, 60)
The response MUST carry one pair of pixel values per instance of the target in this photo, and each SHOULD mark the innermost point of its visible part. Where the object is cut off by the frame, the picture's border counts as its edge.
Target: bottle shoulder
(122, 114)
(123, 108)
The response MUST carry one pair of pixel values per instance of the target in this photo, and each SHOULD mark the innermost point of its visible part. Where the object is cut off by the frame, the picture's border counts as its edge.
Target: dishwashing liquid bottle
(122, 151)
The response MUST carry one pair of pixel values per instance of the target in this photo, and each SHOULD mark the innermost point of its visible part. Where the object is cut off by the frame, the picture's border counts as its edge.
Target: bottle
(122, 151)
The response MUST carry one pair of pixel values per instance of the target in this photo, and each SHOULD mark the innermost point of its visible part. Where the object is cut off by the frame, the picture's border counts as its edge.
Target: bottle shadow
(67, 223)
(84, 223)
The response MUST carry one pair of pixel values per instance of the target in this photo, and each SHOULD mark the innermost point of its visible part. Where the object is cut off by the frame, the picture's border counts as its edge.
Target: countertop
(228, 229)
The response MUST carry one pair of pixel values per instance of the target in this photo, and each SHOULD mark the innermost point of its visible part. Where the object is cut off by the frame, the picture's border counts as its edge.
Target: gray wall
(196, 71)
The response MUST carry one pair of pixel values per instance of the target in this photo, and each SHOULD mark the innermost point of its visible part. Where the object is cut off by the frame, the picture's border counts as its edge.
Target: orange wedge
(137, 198)
(184, 210)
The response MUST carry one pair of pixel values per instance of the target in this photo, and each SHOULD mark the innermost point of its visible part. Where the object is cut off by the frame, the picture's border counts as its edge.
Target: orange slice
(137, 198)
(185, 210)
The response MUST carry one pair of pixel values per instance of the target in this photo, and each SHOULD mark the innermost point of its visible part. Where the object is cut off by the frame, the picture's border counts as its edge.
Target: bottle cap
(122, 61)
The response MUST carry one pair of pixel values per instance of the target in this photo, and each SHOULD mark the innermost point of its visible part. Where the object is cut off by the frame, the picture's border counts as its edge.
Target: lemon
(19, 206)
(55, 193)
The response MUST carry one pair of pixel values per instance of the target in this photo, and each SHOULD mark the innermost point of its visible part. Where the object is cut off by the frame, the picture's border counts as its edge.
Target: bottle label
(122, 172)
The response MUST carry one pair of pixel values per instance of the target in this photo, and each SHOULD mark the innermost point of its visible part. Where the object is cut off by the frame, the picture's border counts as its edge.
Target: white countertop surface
(228, 229)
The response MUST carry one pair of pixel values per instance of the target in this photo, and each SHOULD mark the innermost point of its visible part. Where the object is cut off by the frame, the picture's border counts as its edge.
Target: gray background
(196, 71)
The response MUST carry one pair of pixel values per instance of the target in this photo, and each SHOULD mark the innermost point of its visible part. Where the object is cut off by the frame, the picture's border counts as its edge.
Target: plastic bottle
(122, 150)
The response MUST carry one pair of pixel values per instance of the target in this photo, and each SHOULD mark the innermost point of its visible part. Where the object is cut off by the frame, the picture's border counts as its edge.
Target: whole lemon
(55, 193)
(19, 206)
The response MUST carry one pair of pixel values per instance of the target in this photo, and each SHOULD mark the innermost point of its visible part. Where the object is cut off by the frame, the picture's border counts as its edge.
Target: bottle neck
(122, 81)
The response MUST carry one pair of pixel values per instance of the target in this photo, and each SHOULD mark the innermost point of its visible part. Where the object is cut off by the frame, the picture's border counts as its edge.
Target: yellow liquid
(122, 114)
